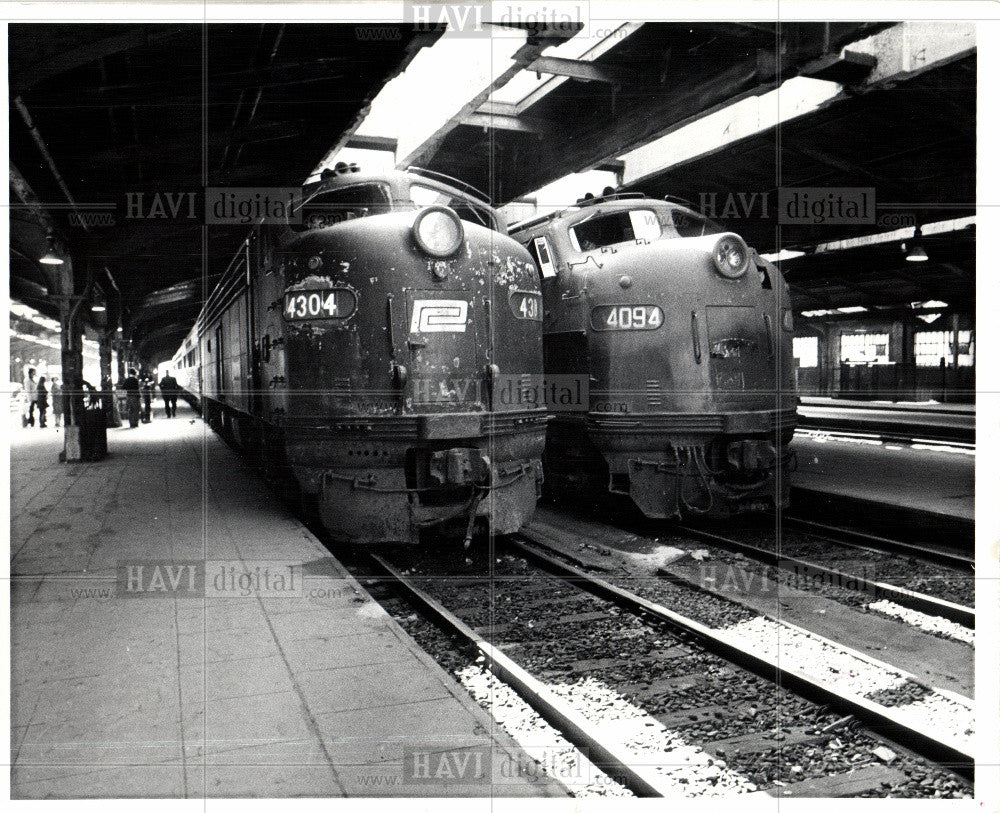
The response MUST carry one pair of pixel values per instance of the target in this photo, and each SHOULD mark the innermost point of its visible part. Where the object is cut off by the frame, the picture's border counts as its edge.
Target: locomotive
(683, 335)
(362, 344)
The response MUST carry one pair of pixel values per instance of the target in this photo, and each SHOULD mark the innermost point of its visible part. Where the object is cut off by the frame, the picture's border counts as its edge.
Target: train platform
(937, 481)
(899, 420)
(912, 406)
(176, 633)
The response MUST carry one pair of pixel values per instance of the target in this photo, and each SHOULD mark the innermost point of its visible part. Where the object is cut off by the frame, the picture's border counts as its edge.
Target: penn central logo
(439, 316)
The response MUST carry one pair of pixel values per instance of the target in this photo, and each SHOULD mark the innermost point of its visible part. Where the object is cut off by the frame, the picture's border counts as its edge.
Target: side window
(540, 248)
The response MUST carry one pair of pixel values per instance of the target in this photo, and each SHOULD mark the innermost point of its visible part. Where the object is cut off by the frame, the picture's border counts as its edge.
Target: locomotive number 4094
(626, 317)
(325, 303)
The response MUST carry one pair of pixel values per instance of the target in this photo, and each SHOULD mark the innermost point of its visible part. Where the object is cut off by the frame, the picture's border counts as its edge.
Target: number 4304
(315, 304)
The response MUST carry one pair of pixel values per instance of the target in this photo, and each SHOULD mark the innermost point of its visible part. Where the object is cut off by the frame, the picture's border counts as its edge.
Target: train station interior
(147, 662)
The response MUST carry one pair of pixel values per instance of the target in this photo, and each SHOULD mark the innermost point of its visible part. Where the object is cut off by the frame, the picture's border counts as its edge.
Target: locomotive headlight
(731, 256)
(438, 231)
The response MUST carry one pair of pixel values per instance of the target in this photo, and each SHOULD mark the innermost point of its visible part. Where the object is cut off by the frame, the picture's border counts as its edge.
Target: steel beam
(581, 69)
(492, 121)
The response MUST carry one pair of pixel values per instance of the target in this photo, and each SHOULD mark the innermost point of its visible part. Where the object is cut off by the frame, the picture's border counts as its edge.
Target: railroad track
(842, 563)
(809, 569)
(930, 535)
(626, 635)
(850, 537)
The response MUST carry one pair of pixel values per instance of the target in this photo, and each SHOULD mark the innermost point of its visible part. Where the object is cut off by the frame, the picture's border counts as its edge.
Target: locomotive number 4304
(325, 303)
(626, 317)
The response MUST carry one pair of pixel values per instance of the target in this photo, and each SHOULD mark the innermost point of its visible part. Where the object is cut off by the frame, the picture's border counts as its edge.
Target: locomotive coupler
(752, 455)
(460, 467)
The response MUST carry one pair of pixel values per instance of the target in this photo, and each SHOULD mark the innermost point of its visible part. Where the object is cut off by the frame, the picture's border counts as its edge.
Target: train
(362, 344)
(674, 340)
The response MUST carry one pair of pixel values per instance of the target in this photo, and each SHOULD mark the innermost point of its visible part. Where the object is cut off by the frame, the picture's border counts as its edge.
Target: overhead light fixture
(98, 308)
(916, 254)
(50, 257)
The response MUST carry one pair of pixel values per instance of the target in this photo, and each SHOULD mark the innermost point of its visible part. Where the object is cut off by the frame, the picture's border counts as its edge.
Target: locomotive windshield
(462, 206)
(628, 225)
(346, 203)
(680, 222)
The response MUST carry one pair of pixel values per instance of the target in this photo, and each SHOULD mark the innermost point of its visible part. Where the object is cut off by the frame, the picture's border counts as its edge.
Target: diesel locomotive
(362, 344)
(683, 336)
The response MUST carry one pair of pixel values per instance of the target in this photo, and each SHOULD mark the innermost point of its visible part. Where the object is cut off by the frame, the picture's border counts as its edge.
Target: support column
(104, 351)
(120, 347)
(72, 363)
(833, 358)
(954, 341)
(908, 357)
(106, 346)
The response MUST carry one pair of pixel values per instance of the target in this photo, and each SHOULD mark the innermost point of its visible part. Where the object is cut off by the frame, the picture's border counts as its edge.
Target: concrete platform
(938, 481)
(946, 422)
(173, 681)
(912, 406)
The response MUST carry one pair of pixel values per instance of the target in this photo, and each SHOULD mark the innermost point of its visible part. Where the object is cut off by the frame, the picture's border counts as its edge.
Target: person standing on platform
(31, 391)
(147, 399)
(42, 399)
(131, 387)
(168, 389)
(57, 403)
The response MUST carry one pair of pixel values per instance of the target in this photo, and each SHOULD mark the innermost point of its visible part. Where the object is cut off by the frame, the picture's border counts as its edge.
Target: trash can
(94, 433)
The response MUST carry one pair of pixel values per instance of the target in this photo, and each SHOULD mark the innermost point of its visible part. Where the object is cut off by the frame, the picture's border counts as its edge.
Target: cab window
(346, 203)
(465, 208)
(617, 227)
(678, 222)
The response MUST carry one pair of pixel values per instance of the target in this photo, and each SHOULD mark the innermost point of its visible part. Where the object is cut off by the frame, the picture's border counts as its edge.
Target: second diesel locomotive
(684, 336)
(363, 346)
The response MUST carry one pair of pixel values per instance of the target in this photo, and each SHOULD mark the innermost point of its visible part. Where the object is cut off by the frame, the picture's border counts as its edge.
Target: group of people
(139, 396)
(40, 395)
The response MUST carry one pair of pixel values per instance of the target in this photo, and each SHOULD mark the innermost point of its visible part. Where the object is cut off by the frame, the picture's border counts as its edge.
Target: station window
(860, 348)
(933, 345)
(806, 350)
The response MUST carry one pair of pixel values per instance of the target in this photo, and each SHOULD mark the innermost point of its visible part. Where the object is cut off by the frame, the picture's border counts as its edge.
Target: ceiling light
(916, 254)
(50, 257)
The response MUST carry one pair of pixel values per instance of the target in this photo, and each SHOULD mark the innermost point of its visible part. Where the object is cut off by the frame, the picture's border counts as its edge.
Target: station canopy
(127, 120)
